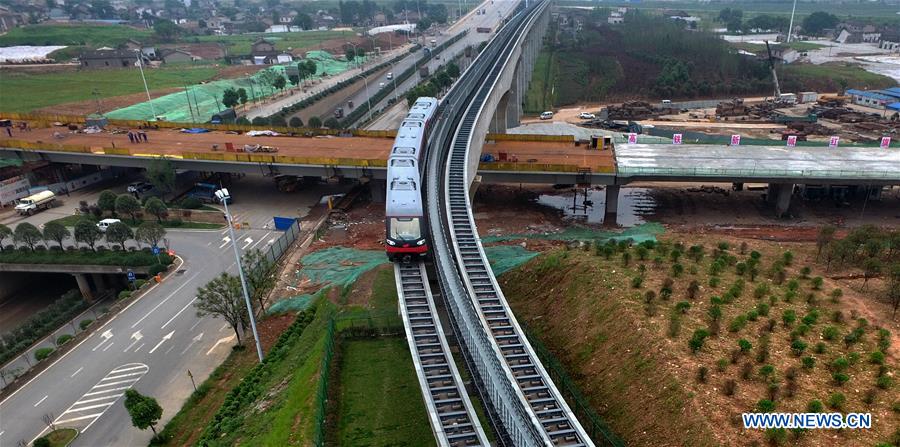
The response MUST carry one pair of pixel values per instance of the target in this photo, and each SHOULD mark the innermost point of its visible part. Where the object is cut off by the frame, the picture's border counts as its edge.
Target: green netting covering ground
(335, 266)
(504, 258)
(640, 233)
(206, 99)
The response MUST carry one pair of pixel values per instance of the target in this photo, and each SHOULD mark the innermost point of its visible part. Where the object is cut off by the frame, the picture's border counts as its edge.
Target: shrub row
(136, 258)
(228, 418)
(41, 324)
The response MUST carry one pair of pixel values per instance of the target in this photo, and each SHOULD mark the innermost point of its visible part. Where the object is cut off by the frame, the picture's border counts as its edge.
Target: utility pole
(791, 26)
(140, 58)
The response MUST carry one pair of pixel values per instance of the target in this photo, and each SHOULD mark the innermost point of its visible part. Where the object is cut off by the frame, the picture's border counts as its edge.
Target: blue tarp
(283, 223)
(194, 130)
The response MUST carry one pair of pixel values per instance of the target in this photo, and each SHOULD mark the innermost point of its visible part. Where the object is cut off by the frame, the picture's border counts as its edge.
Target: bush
(682, 307)
(840, 378)
(765, 406)
(837, 400)
(176, 222)
(817, 283)
(808, 362)
(830, 333)
(884, 382)
(788, 317)
(125, 294)
(745, 345)
(41, 324)
(696, 341)
(730, 387)
(877, 357)
(156, 269)
(702, 372)
(762, 309)
(85, 323)
(798, 346)
(42, 353)
(138, 283)
(737, 323)
(637, 281)
(191, 203)
(820, 348)
(63, 339)
(815, 406)
(766, 371)
(840, 364)
(42, 442)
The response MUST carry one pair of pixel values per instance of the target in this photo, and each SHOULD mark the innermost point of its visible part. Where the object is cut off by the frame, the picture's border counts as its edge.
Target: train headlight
(390, 242)
(421, 242)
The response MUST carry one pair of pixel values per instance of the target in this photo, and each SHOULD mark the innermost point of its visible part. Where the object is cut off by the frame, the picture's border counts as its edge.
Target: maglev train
(404, 214)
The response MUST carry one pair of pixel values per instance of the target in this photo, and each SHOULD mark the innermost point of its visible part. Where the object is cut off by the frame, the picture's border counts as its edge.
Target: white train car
(404, 213)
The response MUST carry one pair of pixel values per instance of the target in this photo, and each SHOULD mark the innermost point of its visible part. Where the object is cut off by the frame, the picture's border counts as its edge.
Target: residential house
(870, 34)
(109, 58)
(379, 19)
(263, 52)
(889, 40)
(615, 18)
(175, 56)
(284, 58)
(9, 19)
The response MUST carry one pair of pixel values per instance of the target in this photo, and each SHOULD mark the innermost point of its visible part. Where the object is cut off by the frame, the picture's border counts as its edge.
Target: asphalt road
(494, 11)
(151, 344)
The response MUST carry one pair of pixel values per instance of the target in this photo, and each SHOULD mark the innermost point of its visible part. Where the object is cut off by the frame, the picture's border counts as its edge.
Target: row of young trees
(442, 79)
(84, 232)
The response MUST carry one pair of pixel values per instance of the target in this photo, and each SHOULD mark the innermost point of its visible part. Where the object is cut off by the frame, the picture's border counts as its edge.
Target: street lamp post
(140, 58)
(368, 100)
(223, 196)
(355, 54)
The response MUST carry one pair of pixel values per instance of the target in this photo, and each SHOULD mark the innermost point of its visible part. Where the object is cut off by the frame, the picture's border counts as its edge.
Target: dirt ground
(106, 104)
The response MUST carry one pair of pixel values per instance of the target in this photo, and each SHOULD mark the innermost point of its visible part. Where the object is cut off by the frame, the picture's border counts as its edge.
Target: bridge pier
(612, 205)
(779, 194)
(84, 286)
(99, 282)
(378, 191)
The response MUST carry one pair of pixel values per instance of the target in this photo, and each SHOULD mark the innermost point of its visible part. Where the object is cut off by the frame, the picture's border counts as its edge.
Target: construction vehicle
(774, 74)
(734, 107)
(832, 100)
(781, 118)
(35, 202)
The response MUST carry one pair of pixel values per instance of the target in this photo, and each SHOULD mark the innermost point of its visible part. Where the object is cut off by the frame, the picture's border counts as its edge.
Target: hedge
(138, 258)
(42, 353)
(40, 324)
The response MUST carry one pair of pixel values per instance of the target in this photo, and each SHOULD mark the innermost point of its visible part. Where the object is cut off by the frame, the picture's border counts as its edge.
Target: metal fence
(631, 171)
(598, 430)
(274, 252)
(322, 387)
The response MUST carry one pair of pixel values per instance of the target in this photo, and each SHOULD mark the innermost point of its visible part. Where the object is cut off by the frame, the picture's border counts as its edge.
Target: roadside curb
(114, 310)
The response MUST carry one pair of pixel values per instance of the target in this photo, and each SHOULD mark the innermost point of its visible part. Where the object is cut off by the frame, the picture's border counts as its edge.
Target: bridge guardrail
(630, 171)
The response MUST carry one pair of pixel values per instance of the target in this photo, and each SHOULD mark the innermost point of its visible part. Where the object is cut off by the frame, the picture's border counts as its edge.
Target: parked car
(547, 115)
(390, 76)
(105, 223)
(139, 187)
(586, 116)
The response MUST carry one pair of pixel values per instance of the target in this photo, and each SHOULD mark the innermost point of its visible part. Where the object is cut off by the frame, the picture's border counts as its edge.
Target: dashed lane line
(41, 401)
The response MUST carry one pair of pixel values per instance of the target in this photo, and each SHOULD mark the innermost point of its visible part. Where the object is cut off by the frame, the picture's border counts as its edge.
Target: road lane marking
(75, 409)
(169, 350)
(193, 341)
(223, 327)
(225, 241)
(108, 346)
(220, 341)
(98, 399)
(120, 376)
(261, 239)
(179, 313)
(40, 401)
(79, 418)
(76, 372)
(165, 337)
(247, 243)
(195, 325)
(139, 347)
(106, 336)
(119, 382)
(166, 299)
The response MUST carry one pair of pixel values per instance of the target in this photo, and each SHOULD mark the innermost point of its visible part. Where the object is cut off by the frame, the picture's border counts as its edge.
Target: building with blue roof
(878, 99)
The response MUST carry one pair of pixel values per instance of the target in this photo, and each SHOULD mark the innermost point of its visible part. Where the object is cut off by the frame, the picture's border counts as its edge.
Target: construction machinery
(774, 74)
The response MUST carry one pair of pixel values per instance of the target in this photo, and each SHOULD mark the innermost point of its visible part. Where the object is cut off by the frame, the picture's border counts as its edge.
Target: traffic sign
(131, 275)
(155, 250)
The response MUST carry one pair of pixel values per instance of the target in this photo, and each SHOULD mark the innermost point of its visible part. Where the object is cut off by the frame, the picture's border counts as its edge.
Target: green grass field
(27, 92)
(541, 91)
(856, 76)
(90, 35)
(380, 402)
(756, 47)
(240, 44)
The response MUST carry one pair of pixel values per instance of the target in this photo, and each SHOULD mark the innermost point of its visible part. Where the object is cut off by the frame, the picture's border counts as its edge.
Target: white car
(104, 224)
(586, 116)
(547, 115)
(139, 187)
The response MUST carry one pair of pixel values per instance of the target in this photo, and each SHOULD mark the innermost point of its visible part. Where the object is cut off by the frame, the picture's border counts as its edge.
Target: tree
(453, 70)
(107, 201)
(156, 207)
(304, 21)
(314, 122)
(818, 22)
(118, 233)
(221, 297)
(296, 122)
(161, 174)
(278, 121)
(825, 236)
(28, 234)
(230, 97)
(5, 232)
(279, 82)
(871, 269)
(242, 95)
(349, 53)
(258, 272)
(311, 67)
(294, 79)
(424, 24)
(166, 30)
(332, 123)
(150, 233)
(55, 231)
(144, 410)
(127, 204)
(86, 232)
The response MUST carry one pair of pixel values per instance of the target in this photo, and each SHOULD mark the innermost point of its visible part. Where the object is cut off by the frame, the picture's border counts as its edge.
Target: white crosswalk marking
(101, 397)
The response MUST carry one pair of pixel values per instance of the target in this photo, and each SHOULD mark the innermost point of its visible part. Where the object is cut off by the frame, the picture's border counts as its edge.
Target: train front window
(405, 228)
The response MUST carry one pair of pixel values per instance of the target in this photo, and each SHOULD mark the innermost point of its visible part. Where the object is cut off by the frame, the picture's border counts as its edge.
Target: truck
(206, 193)
(806, 97)
(433, 43)
(483, 29)
(35, 202)
(787, 98)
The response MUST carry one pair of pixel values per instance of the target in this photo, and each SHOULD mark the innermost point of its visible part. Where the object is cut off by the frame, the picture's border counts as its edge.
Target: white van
(105, 223)
(547, 115)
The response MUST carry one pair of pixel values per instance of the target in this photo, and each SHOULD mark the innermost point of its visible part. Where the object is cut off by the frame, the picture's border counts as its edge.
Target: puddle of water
(634, 205)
